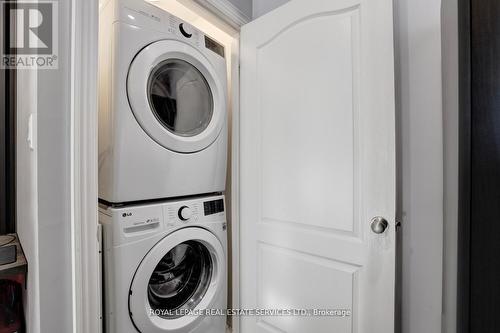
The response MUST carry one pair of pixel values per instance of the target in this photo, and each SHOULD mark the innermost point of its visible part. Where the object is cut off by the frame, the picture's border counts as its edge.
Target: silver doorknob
(379, 224)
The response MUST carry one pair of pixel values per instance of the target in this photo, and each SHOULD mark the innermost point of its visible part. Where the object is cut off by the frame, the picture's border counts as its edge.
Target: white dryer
(162, 106)
(165, 267)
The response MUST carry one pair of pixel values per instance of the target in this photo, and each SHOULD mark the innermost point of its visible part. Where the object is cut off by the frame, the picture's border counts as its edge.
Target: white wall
(418, 81)
(54, 185)
(245, 6)
(260, 7)
(26, 192)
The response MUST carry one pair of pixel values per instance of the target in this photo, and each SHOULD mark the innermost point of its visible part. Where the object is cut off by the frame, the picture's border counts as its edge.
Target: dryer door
(176, 96)
(182, 274)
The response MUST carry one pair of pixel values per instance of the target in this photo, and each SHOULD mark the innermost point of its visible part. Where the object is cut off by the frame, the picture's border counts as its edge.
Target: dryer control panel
(184, 31)
(143, 13)
(193, 35)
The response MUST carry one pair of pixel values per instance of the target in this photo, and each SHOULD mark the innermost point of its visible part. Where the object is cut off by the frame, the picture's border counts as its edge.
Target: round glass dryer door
(180, 97)
(183, 272)
(176, 96)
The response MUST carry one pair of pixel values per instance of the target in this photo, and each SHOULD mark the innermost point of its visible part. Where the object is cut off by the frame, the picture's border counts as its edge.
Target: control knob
(184, 31)
(185, 213)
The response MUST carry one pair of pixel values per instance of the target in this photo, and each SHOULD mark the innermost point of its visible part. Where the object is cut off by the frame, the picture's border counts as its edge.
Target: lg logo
(126, 214)
(31, 34)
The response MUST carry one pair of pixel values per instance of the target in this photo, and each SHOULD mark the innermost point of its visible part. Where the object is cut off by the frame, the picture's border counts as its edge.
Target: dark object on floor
(8, 254)
(13, 270)
(11, 307)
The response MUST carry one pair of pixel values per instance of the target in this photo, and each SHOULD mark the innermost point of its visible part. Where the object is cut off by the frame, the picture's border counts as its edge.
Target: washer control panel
(149, 218)
(194, 211)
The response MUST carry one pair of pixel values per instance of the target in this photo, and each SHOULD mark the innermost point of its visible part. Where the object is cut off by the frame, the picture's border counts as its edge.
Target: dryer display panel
(214, 46)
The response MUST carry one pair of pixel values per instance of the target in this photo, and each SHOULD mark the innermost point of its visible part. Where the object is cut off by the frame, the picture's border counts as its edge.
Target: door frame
(84, 173)
(477, 180)
(8, 93)
(464, 186)
(85, 238)
(235, 181)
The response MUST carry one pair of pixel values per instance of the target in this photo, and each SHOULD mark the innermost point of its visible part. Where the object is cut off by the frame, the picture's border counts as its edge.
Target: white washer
(162, 106)
(165, 263)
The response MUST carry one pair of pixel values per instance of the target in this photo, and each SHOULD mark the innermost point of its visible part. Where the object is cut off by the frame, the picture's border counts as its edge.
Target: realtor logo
(29, 34)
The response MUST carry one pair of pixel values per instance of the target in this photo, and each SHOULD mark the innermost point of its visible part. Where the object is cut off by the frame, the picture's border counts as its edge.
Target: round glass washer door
(180, 280)
(176, 96)
(183, 272)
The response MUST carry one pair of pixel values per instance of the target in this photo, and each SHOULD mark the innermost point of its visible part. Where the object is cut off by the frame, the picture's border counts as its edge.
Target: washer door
(181, 273)
(176, 96)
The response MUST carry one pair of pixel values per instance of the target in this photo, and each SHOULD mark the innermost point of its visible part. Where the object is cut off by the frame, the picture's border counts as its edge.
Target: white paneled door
(317, 195)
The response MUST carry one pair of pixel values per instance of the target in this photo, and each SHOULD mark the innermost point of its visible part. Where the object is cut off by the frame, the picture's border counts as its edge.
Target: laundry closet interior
(165, 124)
(235, 173)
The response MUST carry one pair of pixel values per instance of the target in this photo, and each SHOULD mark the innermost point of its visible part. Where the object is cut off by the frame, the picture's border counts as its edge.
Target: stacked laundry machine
(162, 168)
